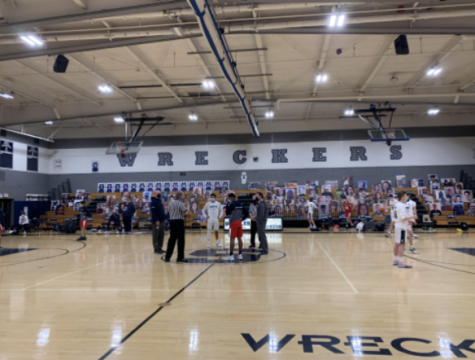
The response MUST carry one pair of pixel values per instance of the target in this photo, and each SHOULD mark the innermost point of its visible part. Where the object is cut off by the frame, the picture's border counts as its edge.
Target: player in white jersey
(403, 217)
(411, 235)
(311, 206)
(392, 204)
(214, 212)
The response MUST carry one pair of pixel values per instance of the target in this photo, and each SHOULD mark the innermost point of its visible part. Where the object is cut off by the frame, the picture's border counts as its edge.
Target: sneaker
(81, 238)
(106, 233)
(252, 246)
(167, 260)
(218, 243)
(264, 253)
(209, 245)
(415, 236)
(240, 257)
(128, 233)
(387, 235)
(395, 263)
(403, 265)
(414, 251)
(182, 261)
(117, 232)
(229, 258)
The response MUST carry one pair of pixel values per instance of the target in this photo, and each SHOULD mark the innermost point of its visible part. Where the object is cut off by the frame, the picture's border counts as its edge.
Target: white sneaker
(106, 233)
(217, 243)
(117, 232)
(209, 245)
(415, 236)
(414, 251)
(229, 258)
(24, 232)
(240, 257)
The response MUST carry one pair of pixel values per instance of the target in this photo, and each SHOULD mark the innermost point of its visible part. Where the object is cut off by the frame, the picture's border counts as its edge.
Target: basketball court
(112, 298)
(322, 132)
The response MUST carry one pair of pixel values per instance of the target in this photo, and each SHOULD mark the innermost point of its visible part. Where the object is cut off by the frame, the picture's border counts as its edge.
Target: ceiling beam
(376, 65)
(54, 49)
(151, 69)
(103, 75)
(321, 64)
(81, 4)
(441, 55)
(59, 79)
(26, 92)
(262, 60)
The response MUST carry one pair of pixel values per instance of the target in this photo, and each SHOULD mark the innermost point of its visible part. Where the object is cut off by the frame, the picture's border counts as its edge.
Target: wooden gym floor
(325, 296)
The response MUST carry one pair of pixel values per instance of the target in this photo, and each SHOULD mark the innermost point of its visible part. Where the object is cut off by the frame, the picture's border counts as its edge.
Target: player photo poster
(208, 185)
(125, 187)
(117, 187)
(254, 186)
(333, 183)
(101, 188)
(362, 184)
(400, 181)
(183, 186)
(301, 190)
(95, 166)
(191, 185)
(109, 187)
(347, 181)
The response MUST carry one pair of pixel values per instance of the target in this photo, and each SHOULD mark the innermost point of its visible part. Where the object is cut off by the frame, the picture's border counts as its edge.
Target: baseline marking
(338, 268)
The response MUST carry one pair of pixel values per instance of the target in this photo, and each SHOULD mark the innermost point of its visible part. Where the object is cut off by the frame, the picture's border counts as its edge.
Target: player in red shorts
(237, 213)
(347, 207)
(84, 213)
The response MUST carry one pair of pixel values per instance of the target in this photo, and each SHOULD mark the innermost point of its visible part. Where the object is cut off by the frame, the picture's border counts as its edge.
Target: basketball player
(237, 213)
(403, 217)
(84, 213)
(311, 206)
(347, 207)
(214, 212)
(392, 204)
(411, 235)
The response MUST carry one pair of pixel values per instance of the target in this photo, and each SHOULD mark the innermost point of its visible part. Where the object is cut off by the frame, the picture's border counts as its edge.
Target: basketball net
(120, 147)
(389, 133)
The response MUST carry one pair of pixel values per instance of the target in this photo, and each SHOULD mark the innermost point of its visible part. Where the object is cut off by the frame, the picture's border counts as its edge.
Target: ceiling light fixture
(6, 96)
(349, 112)
(336, 20)
(105, 89)
(193, 117)
(434, 111)
(321, 78)
(433, 71)
(269, 114)
(48, 122)
(32, 40)
(119, 119)
(207, 84)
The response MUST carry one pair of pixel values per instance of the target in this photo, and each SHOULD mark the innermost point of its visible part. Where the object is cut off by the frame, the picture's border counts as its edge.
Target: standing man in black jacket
(261, 220)
(159, 222)
(2, 227)
(127, 214)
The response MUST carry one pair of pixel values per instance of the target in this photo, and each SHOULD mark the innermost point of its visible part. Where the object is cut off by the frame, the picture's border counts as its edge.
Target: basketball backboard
(122, 148)
(388, 135)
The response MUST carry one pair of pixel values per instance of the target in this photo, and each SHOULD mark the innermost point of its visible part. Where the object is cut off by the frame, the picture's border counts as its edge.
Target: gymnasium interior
(314, 115)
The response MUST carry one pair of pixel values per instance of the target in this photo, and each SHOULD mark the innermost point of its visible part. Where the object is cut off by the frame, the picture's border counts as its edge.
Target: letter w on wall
(127, 159)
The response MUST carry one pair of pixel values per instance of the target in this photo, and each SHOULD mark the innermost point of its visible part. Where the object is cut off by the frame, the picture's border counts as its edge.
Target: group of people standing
(233, 208)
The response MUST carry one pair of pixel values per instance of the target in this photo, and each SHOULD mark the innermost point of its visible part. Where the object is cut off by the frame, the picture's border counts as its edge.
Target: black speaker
(401, 46)
(61, 64)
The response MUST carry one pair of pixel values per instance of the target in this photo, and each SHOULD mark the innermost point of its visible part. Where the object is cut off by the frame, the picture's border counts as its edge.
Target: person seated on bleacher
(114, 223)
(435, 211)
(23, 222)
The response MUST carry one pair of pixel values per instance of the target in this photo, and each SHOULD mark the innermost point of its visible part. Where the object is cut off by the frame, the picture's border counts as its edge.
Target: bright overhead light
(32, 40)
(269, 114)
(321, 78)
(6, 96)
(433, 111)
(338, 20)
(433, 71)
(48, 122)
(119, 119)
(349, 112)
(208, 84)
(193, 117)
(105, 89)
(341, 21)
(27, 40)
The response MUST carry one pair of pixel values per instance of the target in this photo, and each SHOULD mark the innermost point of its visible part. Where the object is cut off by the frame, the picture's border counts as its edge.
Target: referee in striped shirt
(177, 211)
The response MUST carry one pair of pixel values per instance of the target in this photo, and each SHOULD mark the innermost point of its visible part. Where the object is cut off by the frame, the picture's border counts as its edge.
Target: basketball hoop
(390, 133)
(120, 147)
